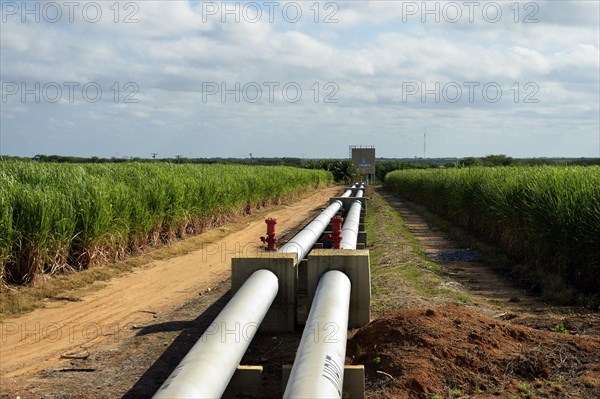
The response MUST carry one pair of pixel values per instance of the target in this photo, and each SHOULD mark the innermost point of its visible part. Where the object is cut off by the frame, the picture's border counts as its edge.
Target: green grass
(524, 391)
(560, 328)
(455, 393)
(546, 216)
(399, 268)
(56, 217)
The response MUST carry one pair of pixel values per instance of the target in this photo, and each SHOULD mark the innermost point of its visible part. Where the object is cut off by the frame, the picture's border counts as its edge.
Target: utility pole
(154, 154)
(250, 157)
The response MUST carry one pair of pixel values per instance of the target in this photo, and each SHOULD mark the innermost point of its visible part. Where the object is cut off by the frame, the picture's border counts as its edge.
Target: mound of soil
(454, 351)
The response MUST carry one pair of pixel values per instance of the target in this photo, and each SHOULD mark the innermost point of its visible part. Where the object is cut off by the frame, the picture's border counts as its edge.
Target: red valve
(336, 231)
(270, 239)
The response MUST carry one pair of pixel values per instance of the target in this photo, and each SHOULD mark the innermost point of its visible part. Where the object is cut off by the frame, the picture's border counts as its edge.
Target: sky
(300, 78)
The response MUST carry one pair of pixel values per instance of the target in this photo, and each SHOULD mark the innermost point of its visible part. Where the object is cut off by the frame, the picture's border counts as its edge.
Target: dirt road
(101, 319)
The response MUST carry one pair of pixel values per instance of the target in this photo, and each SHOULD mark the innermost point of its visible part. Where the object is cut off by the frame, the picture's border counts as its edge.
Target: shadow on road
(191, 330)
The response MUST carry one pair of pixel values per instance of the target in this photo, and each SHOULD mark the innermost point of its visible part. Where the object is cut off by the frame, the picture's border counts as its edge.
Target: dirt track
(101, 319)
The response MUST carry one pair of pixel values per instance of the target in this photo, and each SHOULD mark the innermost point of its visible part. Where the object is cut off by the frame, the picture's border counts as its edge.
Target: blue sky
(302, 79)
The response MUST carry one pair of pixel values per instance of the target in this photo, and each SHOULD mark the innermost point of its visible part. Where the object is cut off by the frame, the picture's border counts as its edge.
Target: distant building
(363, 157)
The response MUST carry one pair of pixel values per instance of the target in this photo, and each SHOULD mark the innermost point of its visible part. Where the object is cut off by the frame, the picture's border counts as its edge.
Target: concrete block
(354, 380)
(246, 382)
(302, 275)
(362, 238)
(282, 314)
(356, 265)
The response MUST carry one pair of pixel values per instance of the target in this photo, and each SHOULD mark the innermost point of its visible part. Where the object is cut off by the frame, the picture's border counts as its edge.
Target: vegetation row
(546, 216)
(56, 217)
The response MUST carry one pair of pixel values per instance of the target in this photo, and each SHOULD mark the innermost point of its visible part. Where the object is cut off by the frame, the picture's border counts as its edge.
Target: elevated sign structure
(363, 157)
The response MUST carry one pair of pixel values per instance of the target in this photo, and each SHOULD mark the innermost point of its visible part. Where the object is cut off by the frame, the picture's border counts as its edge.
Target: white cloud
(580, 56)
(173, 51)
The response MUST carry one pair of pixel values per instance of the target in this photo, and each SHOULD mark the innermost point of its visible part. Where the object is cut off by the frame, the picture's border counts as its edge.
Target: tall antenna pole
(424, 144)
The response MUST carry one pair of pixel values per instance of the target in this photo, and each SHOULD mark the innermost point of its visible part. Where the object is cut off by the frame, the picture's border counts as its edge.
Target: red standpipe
(336, 231)
(270, 239)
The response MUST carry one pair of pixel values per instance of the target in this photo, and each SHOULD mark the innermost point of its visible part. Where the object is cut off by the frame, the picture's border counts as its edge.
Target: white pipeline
(318, 370)
(351, 226)
(208, 367)
(302, 242)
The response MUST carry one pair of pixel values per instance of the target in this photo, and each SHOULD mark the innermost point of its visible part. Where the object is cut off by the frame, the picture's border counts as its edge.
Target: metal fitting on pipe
(336, 231)
(318, 370)
(351, 226)
(270, 239)
(302, 242)
(208, 367)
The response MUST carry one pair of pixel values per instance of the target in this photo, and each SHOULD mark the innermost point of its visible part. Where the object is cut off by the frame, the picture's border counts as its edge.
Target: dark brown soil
(454, 351)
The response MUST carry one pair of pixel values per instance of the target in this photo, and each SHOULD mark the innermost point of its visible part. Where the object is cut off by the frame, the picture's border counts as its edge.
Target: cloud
(158, 77)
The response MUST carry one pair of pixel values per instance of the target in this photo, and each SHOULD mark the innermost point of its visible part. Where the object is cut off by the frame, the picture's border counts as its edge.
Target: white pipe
(347, 193)
(208, 367)
(350, 227)
(359, 193)
(302, 242)
(318, 370)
